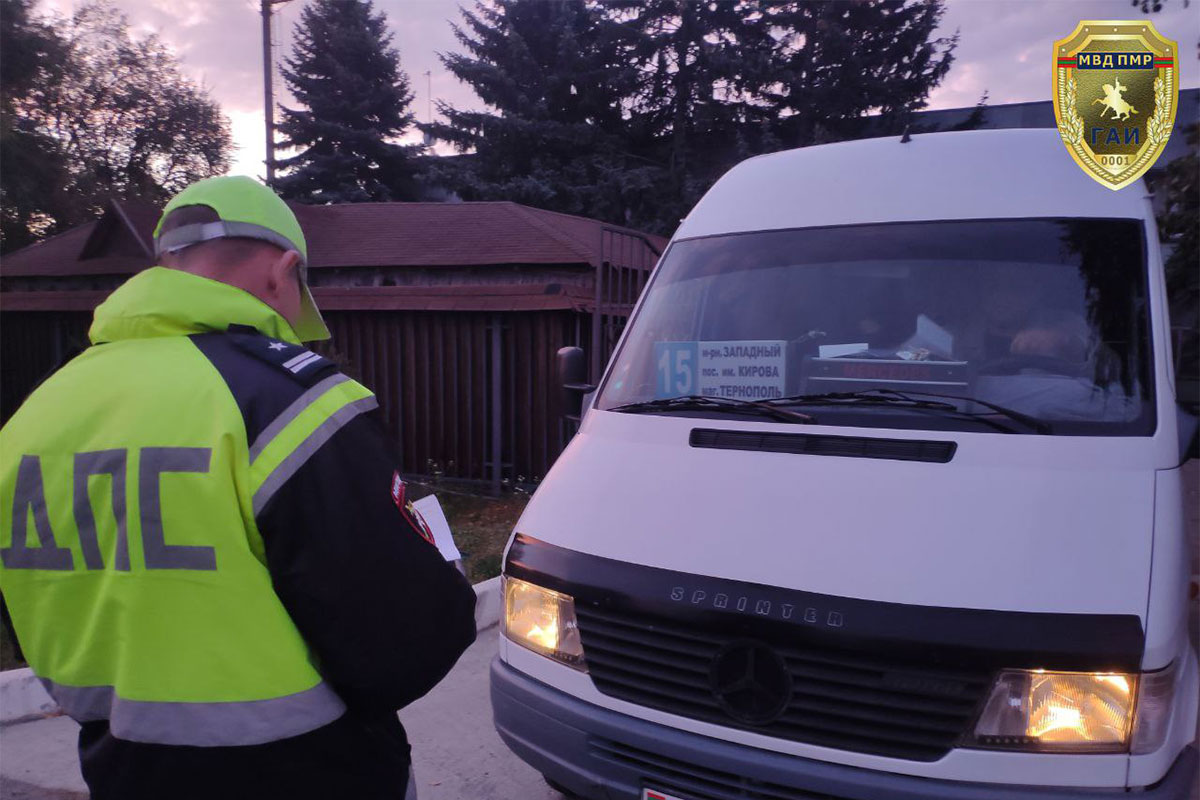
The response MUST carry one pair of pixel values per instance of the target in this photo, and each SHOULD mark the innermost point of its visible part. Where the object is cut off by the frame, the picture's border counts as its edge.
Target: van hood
(1001, 526)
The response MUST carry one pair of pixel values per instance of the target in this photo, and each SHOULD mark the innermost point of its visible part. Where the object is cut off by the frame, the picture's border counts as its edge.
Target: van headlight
(542, 620)
(1079, 712)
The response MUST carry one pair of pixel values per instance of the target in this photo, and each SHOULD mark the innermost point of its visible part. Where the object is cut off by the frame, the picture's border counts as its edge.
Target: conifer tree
(554, 134)
(672, 93)
(836, 61)
(354, 102)
(1180, 190)
(700, 67)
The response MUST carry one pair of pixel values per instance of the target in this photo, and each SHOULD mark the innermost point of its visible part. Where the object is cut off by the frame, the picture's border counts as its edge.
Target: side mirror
(572, 376)
(1189, 434)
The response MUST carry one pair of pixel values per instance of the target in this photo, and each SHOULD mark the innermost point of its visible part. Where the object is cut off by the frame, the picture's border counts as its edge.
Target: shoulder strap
(297, 360)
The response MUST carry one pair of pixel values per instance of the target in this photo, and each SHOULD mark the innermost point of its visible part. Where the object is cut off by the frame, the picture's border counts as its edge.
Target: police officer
(205, 546)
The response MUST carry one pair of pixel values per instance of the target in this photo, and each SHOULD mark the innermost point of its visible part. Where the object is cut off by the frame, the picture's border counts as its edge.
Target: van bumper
(603, 755)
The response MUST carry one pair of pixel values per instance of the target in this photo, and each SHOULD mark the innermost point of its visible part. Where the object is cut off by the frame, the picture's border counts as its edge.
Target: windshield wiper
(695, 402)
(912, 399)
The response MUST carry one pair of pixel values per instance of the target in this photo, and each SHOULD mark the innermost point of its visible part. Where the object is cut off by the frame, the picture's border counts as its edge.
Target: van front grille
(843, 699)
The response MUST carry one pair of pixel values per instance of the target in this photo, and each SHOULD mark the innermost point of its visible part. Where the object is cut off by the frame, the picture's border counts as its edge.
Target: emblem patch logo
(410, 514)
(398, 491)
(1116, 91)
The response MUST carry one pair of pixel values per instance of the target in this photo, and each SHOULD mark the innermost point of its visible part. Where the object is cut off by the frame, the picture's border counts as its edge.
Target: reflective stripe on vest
(292, 437)
(200, 724)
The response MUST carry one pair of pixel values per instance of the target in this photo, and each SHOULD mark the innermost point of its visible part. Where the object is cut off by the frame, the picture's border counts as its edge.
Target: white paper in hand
(431, 511)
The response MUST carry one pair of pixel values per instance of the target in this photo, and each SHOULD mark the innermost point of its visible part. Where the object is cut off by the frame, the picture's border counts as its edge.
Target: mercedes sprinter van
(878, 497)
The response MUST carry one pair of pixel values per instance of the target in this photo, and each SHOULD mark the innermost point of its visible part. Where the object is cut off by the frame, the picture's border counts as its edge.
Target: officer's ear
(283, 285)
(284, 273)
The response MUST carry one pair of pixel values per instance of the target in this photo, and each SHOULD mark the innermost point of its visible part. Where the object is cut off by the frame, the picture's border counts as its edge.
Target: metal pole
(268, 100)
(597, 317)
(497, 415)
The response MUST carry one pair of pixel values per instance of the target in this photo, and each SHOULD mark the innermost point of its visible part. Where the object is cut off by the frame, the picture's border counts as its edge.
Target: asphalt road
(456, 752)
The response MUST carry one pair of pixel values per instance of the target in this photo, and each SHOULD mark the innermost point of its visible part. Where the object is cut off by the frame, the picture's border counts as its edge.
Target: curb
(487, 603)
(22, 696)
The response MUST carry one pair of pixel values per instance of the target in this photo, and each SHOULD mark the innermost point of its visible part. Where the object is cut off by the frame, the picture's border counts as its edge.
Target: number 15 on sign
(676, 372)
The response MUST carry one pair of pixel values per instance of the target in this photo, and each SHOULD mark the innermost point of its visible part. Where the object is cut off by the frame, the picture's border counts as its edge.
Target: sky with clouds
(1004, 48)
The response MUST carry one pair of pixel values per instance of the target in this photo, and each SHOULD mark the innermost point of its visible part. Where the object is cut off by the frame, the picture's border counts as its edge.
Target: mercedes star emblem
(751, 682)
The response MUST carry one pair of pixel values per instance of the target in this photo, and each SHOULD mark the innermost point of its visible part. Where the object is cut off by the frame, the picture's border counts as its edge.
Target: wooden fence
(468, 392)
(467, 395)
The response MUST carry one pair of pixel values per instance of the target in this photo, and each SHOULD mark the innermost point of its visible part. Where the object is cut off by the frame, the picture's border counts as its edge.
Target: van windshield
(1044, 317)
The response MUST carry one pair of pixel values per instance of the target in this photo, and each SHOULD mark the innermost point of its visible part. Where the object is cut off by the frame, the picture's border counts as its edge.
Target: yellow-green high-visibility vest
(130, 558)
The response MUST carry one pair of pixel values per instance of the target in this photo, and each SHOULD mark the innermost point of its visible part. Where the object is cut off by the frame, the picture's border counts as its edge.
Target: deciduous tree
(99, 115)
(32, 165)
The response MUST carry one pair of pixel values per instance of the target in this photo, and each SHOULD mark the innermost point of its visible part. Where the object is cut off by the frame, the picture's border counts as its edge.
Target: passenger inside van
(1059, 335)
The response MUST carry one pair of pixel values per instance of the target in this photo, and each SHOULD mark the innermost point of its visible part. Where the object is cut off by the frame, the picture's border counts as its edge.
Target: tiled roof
(54, 256)
(362, 235)
(516, 297)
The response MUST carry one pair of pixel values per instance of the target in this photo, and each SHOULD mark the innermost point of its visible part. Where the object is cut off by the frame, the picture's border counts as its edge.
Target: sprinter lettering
(756, 605)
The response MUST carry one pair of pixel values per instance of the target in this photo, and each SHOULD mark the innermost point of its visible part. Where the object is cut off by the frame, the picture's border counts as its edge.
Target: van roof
(957, 175)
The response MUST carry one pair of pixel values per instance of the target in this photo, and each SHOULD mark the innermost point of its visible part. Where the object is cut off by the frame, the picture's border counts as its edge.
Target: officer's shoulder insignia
(295, 359)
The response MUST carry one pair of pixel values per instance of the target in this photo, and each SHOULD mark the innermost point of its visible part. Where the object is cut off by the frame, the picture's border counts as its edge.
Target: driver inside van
(1007, 301)
(1056, 371)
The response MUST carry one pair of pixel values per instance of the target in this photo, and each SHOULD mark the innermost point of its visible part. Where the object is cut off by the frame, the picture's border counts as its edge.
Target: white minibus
(878, 497)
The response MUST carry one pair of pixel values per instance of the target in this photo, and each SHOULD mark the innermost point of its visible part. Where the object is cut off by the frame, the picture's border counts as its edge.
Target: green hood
(168, 302)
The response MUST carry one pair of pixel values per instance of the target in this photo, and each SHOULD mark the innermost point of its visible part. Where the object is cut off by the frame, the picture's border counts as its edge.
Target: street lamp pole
(268, 94)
